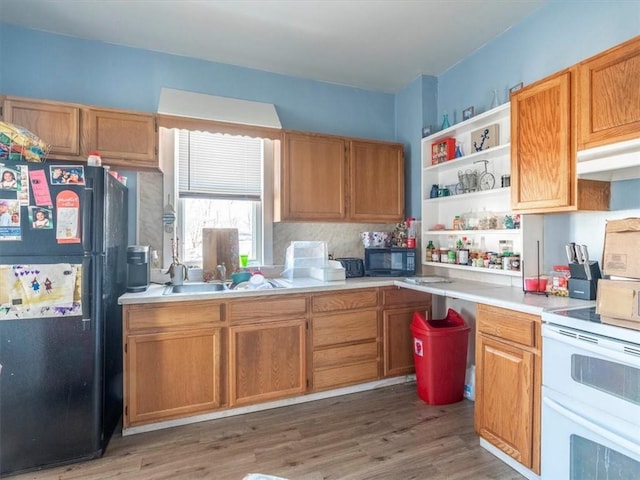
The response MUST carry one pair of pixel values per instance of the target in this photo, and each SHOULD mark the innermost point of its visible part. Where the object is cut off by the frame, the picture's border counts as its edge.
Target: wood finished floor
(384, 434)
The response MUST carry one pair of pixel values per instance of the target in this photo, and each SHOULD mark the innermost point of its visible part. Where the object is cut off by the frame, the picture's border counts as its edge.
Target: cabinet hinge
(307, 383)
(155, 125)
(306, 325)
(1, 111)
(156, 150)
(126, 410)
(125, 348)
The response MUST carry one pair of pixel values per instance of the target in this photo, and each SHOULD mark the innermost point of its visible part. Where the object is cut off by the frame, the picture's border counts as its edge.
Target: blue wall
(557, 35)
(69, 69)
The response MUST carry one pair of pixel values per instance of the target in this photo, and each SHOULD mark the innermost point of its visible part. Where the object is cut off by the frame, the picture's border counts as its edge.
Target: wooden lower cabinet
(172, 360)
(508, 383)
(344, 338)
(172, 374)
(267, 361)
(189, 358)
(267, 348)
(398, 341)
(399, 305)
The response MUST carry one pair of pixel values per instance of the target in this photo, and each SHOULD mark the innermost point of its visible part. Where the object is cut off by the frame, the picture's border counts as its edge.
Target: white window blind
(214, 165)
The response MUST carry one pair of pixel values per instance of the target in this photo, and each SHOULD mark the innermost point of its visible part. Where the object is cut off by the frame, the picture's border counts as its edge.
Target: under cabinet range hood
(618, 161)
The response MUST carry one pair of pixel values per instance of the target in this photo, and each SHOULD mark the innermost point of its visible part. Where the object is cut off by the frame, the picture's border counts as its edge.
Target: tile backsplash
(343, 239)
(150, 209)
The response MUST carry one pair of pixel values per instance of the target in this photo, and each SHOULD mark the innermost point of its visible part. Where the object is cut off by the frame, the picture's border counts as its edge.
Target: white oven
(590, 399)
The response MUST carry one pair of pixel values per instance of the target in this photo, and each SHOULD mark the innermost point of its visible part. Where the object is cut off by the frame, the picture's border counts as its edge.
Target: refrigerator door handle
(87, 297)
(87, 214)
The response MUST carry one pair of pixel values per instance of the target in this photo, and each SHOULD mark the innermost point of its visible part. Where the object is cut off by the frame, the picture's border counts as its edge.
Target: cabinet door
(58, 124)
(543, 146)
(609, 101)
(123, 139)
(376, 177)
(505, 398)
(312, 179)
(267, 361)
(398, 340)
(170, 375)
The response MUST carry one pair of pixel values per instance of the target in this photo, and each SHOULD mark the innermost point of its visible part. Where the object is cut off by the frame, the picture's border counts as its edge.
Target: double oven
(590, 398)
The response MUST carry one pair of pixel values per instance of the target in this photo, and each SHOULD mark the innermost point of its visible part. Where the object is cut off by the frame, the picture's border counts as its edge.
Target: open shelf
(470, 195)
(497, 271)
(466, 160)
(500, 231)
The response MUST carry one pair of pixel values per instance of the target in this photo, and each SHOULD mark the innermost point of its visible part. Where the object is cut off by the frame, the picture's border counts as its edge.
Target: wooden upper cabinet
(543, 150)
(543, 145)
(56, 123)
(126, 139)
(336, 179)
(609, 107)
(312, 178)
(376, 177)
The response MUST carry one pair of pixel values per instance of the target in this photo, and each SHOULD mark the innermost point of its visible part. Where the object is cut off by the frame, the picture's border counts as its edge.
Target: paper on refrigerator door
(36, 291)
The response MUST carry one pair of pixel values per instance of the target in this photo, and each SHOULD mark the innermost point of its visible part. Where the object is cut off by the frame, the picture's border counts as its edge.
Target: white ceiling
(380, 45)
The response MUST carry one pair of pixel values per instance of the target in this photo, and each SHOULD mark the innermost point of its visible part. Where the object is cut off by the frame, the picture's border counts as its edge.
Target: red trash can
(440, 356)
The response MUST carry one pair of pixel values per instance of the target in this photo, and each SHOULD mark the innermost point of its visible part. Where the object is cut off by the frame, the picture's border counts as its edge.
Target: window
(220, 182)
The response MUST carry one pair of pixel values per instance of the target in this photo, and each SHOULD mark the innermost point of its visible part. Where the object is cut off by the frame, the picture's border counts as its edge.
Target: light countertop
(489, 294)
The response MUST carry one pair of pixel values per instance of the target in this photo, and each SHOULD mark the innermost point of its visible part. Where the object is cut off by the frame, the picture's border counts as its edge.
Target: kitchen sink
(195, 288)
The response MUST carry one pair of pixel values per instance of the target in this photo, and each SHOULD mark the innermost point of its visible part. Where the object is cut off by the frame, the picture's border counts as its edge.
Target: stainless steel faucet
(222, 271)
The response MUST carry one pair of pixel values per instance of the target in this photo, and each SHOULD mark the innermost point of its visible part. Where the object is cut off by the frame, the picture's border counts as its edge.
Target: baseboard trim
(269, 405)
(518, 467)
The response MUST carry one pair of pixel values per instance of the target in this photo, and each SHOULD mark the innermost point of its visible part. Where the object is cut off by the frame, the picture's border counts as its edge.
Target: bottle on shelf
(429, 251)
(445, 121)
(495, 102)
(411, 233)
(459, 150)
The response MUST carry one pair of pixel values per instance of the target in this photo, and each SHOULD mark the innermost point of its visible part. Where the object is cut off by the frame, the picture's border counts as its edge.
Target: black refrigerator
(63, 238)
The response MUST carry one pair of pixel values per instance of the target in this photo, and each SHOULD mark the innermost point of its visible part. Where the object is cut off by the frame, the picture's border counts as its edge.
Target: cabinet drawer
(509, 325)
(338, 356)
(332, 302)
(345, 328)
(263, 308)
(351, 374)
(403, 297)
(172, 315)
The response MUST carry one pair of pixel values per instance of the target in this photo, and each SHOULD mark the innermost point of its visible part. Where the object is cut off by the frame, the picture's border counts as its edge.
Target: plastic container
(440, 357)
(559, 280)
(535, 284)
(300, 257)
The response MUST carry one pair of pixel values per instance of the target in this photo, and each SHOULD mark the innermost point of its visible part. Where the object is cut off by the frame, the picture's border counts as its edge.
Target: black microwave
(389, 262)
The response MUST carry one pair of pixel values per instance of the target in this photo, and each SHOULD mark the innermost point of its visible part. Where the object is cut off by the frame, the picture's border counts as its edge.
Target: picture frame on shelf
(515, 88)
(485, 138)
(467, 113)
(426, 131)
